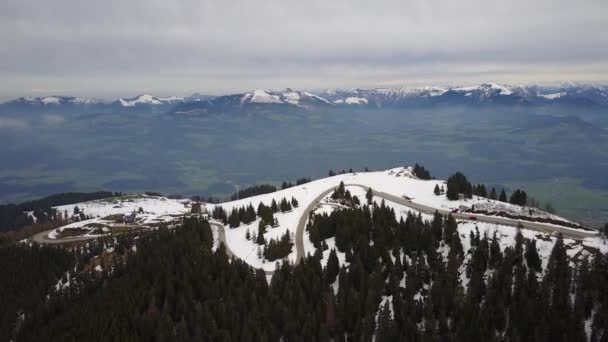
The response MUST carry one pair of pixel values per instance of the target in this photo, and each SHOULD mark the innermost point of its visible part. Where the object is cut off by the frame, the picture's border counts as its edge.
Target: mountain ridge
(482, 94)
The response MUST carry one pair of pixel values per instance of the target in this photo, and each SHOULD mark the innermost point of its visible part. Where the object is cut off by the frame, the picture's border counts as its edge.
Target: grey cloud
(217, 45)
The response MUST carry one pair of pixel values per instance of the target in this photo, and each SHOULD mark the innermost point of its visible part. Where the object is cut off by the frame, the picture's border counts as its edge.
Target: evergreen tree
(503, 196)
(274, 206)
(436, 191)
(519, 197)
(532, 257)
(458, 184)
(333, 267)
(369, 195)
(495, 253)
(284, 205)
(233, 219)
(261, 232)
(493, 194)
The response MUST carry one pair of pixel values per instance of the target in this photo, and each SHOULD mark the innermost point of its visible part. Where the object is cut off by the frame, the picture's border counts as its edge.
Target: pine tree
(495, 253)
(532, 257)
(274, 206)
(557, 283)
(451, 229)
(369, 196)
(437, 227)
(493, 194)
(233, 219)
(503, 196)
(437, 191)
(333, 267)
(261, 231)
(482, 191)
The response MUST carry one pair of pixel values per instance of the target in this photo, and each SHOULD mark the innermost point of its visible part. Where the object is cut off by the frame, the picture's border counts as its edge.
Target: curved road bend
(302, 223)
(221, 233)
(222, 237)
(43, 238)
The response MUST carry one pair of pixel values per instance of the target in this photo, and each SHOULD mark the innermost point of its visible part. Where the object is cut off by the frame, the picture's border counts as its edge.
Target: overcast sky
(110, 48)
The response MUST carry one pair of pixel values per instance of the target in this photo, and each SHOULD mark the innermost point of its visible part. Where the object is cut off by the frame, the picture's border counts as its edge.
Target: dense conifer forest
(403, 280)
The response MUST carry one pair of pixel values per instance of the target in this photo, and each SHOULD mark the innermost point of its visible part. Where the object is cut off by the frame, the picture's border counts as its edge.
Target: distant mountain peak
(147, 99)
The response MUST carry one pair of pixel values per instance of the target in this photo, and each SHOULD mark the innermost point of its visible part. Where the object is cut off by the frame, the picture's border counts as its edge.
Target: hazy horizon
(111, 96)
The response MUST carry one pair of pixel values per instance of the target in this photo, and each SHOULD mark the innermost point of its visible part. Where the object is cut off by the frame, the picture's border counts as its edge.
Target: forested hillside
(408, 280)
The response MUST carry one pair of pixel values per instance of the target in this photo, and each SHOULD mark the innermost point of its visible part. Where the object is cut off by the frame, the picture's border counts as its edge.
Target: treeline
(332, 173)
(247, 214)
(15, 216)
(262, 189)
(253, 190)
(299, 181)
(421, 172)
(458, 185)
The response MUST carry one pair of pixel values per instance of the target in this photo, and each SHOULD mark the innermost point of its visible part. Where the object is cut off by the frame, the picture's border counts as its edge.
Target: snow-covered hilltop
(397, 188)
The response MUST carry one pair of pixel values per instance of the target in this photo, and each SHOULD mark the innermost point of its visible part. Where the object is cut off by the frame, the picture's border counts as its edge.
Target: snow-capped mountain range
(259, 99)
(484, 94)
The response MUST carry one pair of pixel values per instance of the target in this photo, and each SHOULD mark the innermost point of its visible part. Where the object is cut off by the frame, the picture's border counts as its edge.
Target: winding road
(576, 234)
(540, 227)
(43, 238)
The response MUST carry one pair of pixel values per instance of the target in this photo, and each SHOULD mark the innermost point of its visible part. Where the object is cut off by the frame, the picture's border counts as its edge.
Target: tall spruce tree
(503, 196)
(493, 194)
(436, 191)
(333, 267)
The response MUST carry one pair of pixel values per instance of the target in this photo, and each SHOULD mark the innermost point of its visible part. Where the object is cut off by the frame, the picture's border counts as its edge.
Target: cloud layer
(106, 47)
